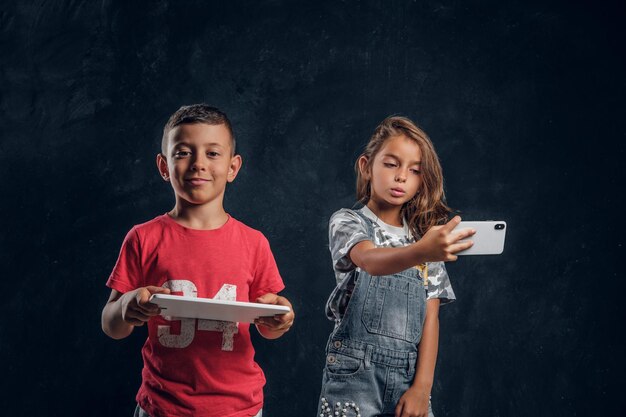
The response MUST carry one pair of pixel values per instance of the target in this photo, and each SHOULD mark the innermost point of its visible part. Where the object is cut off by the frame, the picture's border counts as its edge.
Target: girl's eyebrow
(398, 159)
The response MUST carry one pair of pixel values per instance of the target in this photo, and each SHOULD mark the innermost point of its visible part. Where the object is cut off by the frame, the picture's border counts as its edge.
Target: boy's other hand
(136, 307)
(280, 323)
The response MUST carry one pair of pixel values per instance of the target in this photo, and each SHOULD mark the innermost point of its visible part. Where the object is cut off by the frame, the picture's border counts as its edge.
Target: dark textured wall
(523, 100)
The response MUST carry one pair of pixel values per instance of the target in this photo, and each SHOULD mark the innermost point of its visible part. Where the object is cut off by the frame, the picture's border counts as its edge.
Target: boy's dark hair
(197, 113)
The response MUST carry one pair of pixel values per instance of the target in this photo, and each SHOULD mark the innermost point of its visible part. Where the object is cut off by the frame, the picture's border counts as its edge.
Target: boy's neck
(202, 217)
(386, 213)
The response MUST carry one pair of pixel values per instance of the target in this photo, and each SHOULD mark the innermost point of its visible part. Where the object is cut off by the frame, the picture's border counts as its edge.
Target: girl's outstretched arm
(440, 243)
(384, 261)
(414, 402)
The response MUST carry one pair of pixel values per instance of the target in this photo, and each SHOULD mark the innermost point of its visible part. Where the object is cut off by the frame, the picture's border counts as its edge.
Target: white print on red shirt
(188, 326)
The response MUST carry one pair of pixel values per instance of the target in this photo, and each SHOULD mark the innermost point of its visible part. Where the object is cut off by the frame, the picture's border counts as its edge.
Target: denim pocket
(394, 307)
(342, 366)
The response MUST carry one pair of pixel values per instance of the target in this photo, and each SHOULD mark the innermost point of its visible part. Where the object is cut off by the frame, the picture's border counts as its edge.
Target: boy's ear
(233, 169)
(162, 166)
(363, 167)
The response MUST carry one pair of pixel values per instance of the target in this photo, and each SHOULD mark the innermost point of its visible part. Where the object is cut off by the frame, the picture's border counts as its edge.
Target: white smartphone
(488, 239)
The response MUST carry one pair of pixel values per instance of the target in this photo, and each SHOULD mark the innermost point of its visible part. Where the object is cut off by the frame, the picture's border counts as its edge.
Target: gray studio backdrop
(521, 99)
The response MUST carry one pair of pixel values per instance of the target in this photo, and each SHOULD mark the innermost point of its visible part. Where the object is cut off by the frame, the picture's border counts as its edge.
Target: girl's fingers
(448, 227)
(462, 234)
(457, 247)
(398, 411)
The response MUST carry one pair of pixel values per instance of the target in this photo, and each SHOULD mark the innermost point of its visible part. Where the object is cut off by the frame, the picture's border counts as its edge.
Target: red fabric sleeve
(127, 275)
(266, 277)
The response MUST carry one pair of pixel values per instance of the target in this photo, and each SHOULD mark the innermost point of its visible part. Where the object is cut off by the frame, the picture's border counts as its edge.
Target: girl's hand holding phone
(440, 243)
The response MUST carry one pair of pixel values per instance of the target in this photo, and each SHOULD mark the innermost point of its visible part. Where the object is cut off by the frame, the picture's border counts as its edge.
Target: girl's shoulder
(345, 214)
(347, 227)
(347, 220)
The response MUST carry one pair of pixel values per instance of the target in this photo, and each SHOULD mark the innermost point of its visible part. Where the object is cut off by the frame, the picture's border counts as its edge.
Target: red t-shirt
(198, 367)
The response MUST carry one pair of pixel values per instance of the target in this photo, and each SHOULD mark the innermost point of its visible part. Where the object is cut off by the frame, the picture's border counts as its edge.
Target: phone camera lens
(499, 226)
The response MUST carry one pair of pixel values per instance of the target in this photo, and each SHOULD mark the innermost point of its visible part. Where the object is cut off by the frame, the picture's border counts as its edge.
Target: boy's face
(199, 162)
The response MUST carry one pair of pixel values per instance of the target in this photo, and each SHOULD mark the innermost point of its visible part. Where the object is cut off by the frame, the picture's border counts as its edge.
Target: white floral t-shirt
(346, 229)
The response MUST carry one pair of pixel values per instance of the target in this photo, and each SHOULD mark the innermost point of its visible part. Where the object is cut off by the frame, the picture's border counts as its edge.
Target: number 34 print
(188, 326)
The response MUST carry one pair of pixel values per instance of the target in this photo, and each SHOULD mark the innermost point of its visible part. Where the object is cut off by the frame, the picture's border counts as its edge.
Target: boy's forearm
(386, 261)
(428, 348)
(113, 324)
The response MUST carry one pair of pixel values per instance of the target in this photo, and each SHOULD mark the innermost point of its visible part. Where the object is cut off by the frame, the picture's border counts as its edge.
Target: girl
(380, 358)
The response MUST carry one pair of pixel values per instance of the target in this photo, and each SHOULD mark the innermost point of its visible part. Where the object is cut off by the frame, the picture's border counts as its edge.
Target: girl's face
(394, 173)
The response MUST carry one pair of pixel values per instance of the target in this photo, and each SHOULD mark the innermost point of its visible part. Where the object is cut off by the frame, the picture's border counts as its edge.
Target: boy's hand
(440, 243)
(413, 403)
(278, 324)
(136, 309)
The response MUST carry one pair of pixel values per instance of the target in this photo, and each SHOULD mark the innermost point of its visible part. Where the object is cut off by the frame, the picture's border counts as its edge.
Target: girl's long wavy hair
(428, 207)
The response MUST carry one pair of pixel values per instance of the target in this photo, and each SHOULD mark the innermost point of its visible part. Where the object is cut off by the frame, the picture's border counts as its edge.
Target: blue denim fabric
(372, 353)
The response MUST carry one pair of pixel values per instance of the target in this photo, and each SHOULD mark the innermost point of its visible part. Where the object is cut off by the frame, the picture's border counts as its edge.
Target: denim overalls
(371, 355)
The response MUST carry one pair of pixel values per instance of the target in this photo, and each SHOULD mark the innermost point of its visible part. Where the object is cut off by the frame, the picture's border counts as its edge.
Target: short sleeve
(267, 279)
(346, 229)
(439, 285)
(127, 275)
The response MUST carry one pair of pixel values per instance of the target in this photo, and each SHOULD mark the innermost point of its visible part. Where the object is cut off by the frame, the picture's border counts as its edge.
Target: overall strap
(369, 224)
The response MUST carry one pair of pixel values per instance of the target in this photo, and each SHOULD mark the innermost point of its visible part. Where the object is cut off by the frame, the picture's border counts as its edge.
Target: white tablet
(488, 240)
(210, 309)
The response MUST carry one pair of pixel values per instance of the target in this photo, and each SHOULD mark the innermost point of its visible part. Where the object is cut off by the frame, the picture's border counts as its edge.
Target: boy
(196, 367)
